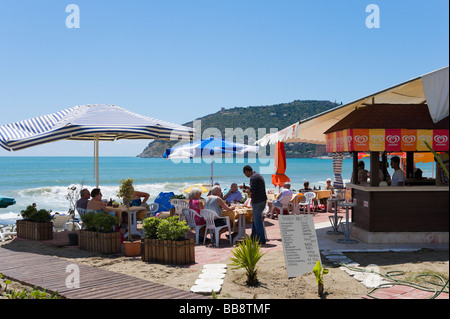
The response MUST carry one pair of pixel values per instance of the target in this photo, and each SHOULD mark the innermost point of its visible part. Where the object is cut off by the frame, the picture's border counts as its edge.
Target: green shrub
(150, 226)
(32, 214)
(170, 228)
(100, 222)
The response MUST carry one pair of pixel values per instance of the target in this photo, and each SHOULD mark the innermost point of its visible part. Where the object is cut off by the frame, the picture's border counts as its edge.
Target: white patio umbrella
(89, 122)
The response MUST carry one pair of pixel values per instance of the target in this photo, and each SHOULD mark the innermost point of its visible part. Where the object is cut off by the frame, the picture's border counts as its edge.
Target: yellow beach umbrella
(204, 188)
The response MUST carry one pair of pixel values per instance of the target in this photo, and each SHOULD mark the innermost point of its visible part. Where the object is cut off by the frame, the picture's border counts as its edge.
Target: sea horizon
(45, 180)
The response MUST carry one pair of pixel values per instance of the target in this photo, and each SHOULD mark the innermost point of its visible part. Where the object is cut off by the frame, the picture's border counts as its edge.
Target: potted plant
(36, 224)
(126, 192)
(72, 196)
(98, 234)
(164, 241)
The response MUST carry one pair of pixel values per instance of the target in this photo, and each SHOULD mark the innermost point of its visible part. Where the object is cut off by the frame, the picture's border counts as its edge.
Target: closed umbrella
(89, 122)
(279, 178)
(208, 147)
(337, 169)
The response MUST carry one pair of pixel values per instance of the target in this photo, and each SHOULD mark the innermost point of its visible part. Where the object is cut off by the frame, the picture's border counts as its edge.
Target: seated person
(324, 201)
(137, 201)
(83, 201)
(329, 186)
(286, 191)
(96, 204)
(233, 195)
(248, 203)
(210, 191)
(363, 174)
(217, 204)
(196, 204)
(306, 187)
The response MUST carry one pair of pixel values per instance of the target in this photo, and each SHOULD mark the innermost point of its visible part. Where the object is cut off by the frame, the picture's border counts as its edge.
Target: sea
(46, 180)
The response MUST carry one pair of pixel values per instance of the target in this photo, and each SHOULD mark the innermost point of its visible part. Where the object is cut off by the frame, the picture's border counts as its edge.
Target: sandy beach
(272, 274)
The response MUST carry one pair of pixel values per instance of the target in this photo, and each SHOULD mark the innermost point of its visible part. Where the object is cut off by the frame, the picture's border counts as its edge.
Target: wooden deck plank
(49, 272)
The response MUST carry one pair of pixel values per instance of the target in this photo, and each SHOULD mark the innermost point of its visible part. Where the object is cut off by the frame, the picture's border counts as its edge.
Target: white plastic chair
(307, 201)
(179, 205)
(152, 209)
(264, 214)
(59, 222)
(209, 217)
(81, 211)
(295, 204)
(7, 231)
(190, 214)
(284, 201)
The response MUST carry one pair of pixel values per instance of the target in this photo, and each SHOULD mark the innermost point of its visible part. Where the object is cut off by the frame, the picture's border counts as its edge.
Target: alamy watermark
(264, 156)
(73, 279)
(373, 19)
(73, 19)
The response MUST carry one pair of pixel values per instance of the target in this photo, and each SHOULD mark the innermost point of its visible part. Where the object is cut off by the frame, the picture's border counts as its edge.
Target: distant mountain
(254, 117)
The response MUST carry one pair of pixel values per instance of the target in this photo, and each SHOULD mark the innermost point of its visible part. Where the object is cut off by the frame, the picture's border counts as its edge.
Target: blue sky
(178, 60)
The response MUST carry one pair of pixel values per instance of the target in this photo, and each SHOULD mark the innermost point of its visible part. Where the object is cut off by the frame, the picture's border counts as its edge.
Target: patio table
(335, 220)
(135, 212)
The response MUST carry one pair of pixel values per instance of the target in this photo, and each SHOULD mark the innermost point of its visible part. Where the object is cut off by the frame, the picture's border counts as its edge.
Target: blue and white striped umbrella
(89, 122)
(337, 169)
(208, 147)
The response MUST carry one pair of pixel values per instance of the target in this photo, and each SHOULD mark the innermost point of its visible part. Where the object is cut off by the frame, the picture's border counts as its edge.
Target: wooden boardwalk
(51, 273)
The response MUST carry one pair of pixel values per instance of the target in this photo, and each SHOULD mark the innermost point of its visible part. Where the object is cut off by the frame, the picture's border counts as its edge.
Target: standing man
(398, 179)
(257, 192)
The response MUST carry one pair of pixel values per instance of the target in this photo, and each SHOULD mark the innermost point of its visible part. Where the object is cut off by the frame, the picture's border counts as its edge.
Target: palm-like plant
(126, 191)
(246, 255)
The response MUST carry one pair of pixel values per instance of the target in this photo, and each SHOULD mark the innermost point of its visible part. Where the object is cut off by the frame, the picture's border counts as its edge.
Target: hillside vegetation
(257, 117)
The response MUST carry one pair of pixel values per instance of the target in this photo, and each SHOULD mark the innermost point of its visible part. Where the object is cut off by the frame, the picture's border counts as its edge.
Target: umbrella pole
(96, 144)
(212, 174)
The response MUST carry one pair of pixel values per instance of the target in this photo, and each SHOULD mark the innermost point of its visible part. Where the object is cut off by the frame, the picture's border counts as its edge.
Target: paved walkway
(208, 254)
(56, 274)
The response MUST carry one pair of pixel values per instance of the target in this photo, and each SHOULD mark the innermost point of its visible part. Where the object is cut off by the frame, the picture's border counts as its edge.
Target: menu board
(300, 246)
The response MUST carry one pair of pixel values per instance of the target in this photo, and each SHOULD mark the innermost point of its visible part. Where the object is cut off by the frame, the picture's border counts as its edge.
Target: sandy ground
(272, 275)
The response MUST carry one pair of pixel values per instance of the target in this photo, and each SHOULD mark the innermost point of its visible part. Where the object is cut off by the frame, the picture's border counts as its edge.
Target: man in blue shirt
(233, 195)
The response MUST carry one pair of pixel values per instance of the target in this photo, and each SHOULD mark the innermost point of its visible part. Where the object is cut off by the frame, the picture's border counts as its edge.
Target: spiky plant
(246, 255)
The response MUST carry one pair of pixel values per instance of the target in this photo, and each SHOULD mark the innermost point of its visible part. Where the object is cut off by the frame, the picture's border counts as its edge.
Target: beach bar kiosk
(396, 120)
(420, 208)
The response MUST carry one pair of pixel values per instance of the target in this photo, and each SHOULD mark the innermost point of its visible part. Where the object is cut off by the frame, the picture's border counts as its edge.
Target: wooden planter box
(105, 243)
(168, 251)
(34, 230)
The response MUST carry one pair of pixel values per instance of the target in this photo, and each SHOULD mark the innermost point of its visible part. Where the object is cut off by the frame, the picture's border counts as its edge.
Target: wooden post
(409, 164)
(384, 167)
(374, 169)
(355, 168)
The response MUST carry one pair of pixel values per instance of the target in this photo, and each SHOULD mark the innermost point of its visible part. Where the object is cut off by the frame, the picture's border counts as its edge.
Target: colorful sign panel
(390, 140)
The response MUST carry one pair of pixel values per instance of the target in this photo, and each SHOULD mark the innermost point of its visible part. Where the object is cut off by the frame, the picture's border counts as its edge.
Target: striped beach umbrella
(89, 122)
(337, 170)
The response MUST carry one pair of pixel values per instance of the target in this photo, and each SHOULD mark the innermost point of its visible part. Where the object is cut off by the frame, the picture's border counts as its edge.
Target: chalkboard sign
(301, 249)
